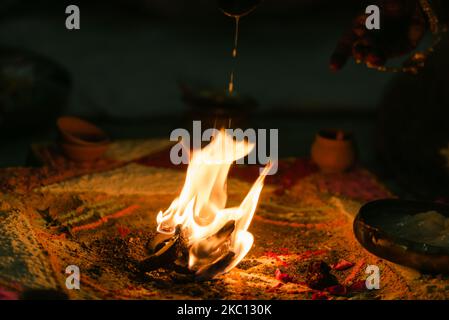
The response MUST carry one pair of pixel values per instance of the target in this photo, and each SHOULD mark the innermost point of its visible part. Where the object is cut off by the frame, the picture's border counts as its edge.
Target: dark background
(129, 56)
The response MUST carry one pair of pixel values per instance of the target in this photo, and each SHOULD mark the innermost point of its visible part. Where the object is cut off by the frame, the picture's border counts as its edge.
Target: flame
(212, 231)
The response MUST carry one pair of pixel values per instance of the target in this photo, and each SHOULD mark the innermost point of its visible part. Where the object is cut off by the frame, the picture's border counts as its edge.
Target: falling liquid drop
(236, 37)
(234, 55)
(231, 84)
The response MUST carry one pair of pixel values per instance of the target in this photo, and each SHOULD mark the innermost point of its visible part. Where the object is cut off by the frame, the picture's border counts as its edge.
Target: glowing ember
(217, 237)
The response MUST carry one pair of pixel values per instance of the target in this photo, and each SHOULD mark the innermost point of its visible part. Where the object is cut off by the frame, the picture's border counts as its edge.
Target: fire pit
(209, 238)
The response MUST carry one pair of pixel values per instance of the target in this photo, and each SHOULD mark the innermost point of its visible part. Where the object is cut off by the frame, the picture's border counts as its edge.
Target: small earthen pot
(80, 132)
(333, 151)
(82, 141)
(86, 153)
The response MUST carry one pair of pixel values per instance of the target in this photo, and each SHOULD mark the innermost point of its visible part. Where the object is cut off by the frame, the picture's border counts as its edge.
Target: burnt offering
(197, 233)
(167, 251)
(319, 276)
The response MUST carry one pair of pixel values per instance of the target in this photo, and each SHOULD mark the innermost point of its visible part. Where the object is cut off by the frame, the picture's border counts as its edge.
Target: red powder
(358, 286)
(276, 257)
(8, 295)
(103, 220)
(337, 290)
(355, 271)
(123, 231)
(343, 265)
(320, 296)
(284, 277)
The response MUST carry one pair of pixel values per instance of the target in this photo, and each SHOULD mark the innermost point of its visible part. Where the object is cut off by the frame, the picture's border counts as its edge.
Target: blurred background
(129, 54)
(124, 69)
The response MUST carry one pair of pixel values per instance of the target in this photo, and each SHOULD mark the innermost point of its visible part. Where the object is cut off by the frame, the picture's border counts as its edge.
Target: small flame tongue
(217, 236)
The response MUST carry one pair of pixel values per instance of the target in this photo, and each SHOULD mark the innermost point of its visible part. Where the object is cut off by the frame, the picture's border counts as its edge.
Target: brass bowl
(369, 229)
(238, 8)
(216, 108)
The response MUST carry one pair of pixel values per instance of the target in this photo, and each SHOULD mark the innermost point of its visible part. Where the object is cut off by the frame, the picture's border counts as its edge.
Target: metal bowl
(369, 229)
(238, 8)
(215, 107)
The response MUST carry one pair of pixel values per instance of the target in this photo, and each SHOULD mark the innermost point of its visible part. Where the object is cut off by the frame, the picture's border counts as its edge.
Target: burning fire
(216, 236)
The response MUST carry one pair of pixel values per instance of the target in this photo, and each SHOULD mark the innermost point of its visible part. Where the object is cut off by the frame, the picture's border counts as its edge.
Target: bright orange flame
(200, 208)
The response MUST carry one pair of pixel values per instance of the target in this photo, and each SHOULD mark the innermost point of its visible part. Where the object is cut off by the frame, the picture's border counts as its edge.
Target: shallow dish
(370, 230)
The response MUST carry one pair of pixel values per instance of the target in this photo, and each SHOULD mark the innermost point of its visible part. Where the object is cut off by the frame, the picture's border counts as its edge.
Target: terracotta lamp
(82, 141)
(333, 151)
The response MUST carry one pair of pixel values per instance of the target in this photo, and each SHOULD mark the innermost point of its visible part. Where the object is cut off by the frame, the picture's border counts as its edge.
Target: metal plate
(369, 231)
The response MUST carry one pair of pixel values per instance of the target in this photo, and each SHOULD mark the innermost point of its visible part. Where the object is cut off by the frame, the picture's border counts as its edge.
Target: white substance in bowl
(427, 227)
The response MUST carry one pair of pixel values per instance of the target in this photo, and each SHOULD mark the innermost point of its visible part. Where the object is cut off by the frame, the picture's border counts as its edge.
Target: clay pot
(81, 140)
(333, 151)
(80, 132)
(80, 153)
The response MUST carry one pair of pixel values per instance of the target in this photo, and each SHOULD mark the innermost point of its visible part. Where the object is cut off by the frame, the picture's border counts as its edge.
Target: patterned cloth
(303, 217)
